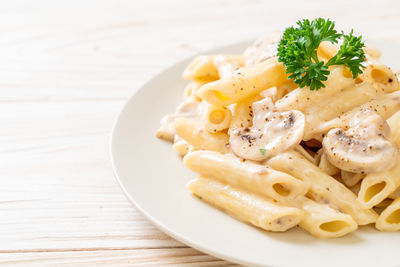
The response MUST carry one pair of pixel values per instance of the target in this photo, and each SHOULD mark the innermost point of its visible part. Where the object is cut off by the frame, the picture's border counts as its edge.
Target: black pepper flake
(247, 137)
(288, 123)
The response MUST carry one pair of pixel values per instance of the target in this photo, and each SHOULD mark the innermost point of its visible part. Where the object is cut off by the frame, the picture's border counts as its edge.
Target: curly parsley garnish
(297, 50)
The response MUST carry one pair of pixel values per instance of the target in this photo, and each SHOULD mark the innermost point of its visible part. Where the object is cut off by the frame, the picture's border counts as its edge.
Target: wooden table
(66, 69)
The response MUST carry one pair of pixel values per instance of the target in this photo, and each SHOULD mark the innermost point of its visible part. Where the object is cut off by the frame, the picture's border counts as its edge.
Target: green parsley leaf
(263, 151)
(297, 50)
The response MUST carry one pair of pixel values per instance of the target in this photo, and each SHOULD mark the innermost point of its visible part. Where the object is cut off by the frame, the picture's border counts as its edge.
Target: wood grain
(66, 69)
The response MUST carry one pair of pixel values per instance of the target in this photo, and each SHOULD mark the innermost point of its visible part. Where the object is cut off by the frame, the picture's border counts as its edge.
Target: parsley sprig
(297, 50)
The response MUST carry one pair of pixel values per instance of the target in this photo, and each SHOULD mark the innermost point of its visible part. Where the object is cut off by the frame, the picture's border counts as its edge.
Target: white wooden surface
(66, 69)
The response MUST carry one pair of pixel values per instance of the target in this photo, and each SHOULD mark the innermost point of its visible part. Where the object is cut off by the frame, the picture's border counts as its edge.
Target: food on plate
(303, 129)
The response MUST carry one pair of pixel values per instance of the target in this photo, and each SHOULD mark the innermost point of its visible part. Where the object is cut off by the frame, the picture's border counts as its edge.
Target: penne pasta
(389, 220)
(216, 118)
(181, 146)
(252, 177)
(300, 99)
(395, 194)
(227, 65)
(326, 166)
(242, 115)
(258, 211)
(327, 50)
(375, 187)
(244, 83)
(191, 89)
(201, 68)
(385, 105)
(381, 77)
(323, 187)
(322, 221)
(193, 133)
(337, 105)
(350, 178)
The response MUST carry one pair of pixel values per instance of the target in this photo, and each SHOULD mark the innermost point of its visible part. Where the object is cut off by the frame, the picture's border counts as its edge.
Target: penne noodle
(244, 83)
(383, 205)
(381, 77)
(355, 188)
(322, 221)
(252, 177)
(372, 52)
(242, 115)
(337, 105)
(259, 211)
(191, 89)
(181, 146)
(326, 166)
(323, 187)
(395, 194)
(216, 118)
(193, 133)
(301, 99)
(318, 156)
(385, 105)
(375, 187)
(166, 130)
(389, 220)
(200, 68)
(228, 65)
(327, 50)
(189, 108)
(350, 178)
(394, 124)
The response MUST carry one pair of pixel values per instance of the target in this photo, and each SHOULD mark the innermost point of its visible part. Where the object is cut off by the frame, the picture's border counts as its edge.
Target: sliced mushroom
(272, 132)
(364, 147)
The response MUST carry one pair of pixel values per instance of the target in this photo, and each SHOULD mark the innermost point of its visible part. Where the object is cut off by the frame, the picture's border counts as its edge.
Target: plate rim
(160, 226)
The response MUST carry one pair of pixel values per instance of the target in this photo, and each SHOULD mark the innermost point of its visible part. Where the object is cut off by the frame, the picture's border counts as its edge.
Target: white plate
(154, 179)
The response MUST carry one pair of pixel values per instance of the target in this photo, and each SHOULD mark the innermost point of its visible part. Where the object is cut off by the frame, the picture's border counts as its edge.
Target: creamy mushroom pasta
(273, 153)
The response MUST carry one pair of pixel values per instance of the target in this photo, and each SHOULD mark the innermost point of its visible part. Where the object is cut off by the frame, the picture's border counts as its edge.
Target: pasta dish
(280, 141)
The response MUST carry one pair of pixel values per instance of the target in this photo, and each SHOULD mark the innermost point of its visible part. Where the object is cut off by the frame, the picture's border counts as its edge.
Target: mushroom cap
(364, 147)
(272, 132)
